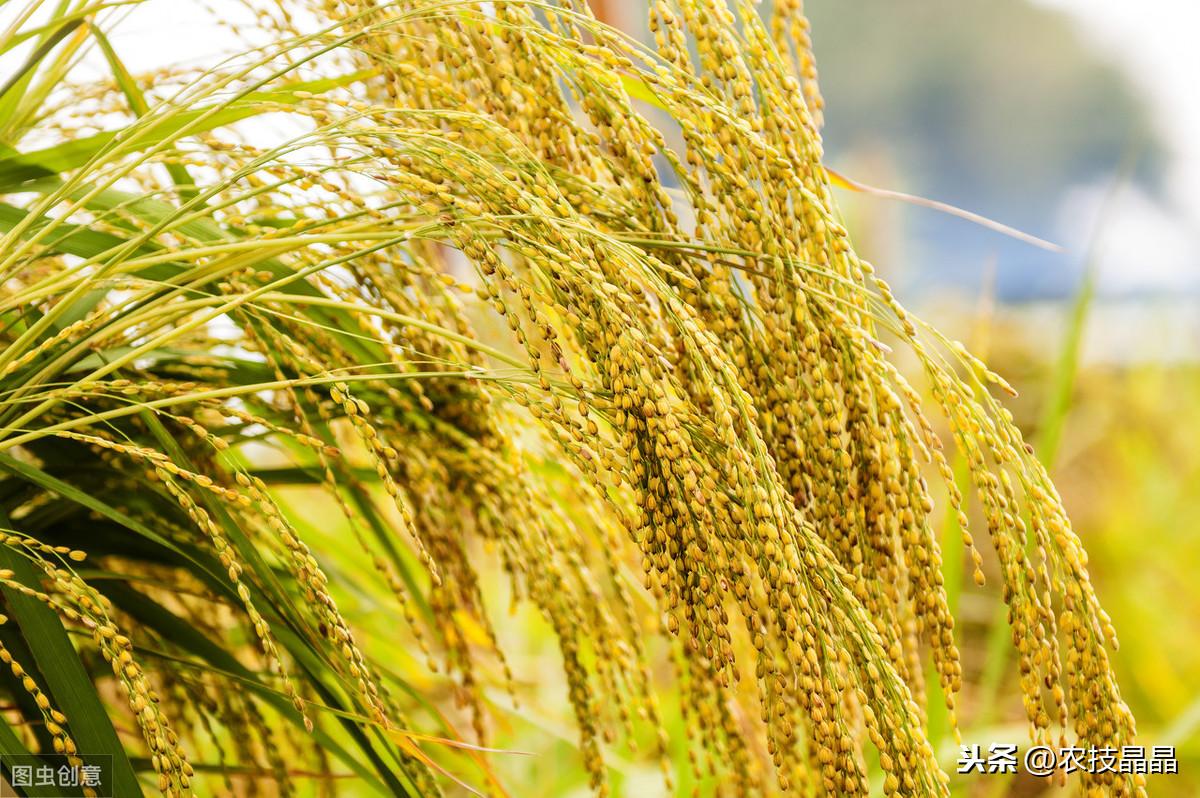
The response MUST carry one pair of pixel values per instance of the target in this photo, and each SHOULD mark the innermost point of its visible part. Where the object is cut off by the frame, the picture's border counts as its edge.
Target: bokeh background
(1075, 120)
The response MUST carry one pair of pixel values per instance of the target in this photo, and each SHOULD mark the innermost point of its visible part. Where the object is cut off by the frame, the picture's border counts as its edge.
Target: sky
(1148, 243)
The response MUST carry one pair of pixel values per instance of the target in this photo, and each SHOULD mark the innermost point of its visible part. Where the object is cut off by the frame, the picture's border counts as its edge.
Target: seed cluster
(673, 359)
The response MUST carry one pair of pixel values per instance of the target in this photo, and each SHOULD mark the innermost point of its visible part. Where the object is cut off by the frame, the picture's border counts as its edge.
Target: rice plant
(512, 278)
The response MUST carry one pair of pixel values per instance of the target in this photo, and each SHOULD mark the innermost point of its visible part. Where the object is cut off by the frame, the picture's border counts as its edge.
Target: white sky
(1147, 243)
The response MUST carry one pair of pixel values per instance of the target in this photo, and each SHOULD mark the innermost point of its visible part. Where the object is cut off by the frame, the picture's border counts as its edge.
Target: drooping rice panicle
(504, 241)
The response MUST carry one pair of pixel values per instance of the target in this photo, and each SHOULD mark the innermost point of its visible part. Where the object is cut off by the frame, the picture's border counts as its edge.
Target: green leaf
(17, 170)
(67, 491)
(67, 682)
(37, 55)
(137, 103)
(179, 632)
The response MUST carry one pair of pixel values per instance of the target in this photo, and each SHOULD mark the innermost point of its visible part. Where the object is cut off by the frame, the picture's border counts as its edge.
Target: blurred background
(1077, 121)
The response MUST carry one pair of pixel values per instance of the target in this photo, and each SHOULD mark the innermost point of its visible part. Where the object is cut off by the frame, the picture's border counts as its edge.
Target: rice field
(445, 398)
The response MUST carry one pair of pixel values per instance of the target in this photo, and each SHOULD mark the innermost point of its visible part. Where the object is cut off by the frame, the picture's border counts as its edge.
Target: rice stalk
(481, 250)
